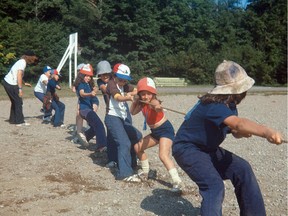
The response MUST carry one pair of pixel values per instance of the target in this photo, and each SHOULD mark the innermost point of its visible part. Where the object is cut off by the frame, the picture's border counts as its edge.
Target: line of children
(86, 92)
(197, 150)
(162, 131)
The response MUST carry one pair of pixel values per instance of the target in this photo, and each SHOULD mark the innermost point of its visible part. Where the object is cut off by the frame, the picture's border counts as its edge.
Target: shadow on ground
(166, 203)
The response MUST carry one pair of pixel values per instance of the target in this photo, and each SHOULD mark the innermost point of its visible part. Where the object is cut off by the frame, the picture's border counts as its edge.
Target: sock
(145, 165)
(174, 175)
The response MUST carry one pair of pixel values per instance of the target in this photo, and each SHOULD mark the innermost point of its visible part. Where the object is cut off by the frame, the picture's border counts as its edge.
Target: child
(51, 99)
(79, 119)
(119, 127)
(196, 145)
(162, 131)
(41, 88)
(104, 72)
(84, 85)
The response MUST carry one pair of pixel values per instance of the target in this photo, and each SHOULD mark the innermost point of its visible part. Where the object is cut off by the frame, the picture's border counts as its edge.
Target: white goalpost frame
(72, 48)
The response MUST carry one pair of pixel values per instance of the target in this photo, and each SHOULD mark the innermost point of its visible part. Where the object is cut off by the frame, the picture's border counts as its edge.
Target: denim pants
(16, 110)
(209, 169)
(96, 127)
(125, 135)
(40, 96)
(59, 109)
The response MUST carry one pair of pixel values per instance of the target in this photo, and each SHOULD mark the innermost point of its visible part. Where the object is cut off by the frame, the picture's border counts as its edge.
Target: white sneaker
(133, 178)
(82, 139)
(23, 124)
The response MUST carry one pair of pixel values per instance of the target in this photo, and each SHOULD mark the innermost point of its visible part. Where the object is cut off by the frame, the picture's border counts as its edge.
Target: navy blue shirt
(85, 102)
(105, 96)
(204, 127)
(51, 86)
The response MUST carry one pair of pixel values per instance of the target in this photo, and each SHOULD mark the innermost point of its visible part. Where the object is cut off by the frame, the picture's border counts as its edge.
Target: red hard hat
(146, 84)
(87, 70)
(115, 68)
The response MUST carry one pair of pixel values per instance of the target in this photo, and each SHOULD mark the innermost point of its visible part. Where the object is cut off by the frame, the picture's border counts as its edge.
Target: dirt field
(43, 173)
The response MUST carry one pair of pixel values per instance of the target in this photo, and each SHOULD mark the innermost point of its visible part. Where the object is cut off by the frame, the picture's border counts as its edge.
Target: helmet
(146, 84)
(115, 68)
(103, 67)
(80, 66)
(122, 72)
(87, 70)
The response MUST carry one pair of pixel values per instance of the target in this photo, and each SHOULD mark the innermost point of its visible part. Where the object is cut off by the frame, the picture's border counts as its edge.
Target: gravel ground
(42, 172)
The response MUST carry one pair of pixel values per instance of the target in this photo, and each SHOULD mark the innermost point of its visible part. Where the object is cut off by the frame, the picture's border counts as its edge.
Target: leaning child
(162, 131)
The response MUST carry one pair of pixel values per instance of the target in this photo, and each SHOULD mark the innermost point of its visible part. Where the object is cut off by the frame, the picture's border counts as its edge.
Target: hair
(31, 59)
(80, 78)
(226, 99)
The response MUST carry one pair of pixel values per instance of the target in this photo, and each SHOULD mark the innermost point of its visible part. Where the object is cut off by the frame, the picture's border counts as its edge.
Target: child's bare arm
(83, 94)
(246, 128)
(156, 105)
(135, 106)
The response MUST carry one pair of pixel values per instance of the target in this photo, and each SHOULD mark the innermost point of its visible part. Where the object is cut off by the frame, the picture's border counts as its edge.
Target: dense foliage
(177, 38)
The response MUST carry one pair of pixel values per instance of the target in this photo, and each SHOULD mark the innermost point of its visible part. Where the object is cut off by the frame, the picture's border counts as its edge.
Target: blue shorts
(165, 130)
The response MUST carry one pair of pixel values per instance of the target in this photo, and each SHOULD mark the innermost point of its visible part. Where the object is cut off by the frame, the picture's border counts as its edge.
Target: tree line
(174, 38)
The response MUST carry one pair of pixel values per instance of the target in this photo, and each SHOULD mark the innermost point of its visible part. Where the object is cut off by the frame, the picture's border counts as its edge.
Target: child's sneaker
(47, 119)
(133, 178)
(82, 139)
(111, 164)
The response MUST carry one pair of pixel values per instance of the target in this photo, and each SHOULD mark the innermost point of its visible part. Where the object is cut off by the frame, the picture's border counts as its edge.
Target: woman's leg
(240, 173)
(199, 167)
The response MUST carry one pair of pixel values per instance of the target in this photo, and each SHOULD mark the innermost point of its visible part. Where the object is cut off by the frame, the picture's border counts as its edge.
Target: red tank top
(152, 117)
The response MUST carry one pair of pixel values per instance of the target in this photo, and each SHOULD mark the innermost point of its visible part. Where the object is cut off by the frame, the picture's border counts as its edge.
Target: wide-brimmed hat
(231, 78)
(103, 67)
(123, 72)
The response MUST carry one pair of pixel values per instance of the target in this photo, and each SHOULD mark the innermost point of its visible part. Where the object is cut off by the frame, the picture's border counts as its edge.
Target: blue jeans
(209, 169)
(40, 96)
(125, 135)
(96, 127)
(59, 109)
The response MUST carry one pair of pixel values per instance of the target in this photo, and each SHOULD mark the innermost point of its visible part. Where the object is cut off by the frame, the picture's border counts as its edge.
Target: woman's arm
(245, 128)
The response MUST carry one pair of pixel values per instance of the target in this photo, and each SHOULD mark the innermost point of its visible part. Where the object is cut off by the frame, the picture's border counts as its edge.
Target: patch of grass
(28, 92)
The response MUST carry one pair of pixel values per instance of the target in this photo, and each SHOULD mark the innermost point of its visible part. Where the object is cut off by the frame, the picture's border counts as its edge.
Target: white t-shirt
(11, 77)
(41, 86)
(117, 108)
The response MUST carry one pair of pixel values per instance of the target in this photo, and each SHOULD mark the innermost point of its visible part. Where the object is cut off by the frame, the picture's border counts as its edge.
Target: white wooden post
(72, 47)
